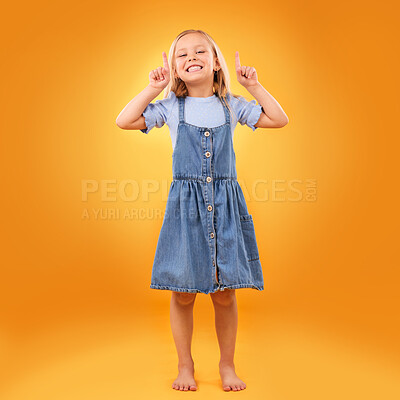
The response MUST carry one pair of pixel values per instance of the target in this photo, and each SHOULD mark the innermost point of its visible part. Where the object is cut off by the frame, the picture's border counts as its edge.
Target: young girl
(207, 241)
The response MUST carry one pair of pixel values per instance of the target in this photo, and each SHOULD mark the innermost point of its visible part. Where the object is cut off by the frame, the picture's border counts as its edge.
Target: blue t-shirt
(200, 111)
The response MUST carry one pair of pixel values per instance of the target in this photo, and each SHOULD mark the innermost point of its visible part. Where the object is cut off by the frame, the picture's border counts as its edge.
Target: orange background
(78, 320)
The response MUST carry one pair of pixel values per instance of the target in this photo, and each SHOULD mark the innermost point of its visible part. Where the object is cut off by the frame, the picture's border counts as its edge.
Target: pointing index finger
(237, 60)
(165, 61)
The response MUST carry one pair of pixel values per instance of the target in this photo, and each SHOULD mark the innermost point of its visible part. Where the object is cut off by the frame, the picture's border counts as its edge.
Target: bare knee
(223, 298)
(184, 298)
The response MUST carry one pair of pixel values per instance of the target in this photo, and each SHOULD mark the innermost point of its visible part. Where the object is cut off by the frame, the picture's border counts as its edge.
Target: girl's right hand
(159, 78)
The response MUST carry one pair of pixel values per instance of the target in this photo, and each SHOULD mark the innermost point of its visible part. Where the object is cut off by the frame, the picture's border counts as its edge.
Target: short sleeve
(248, 112)
(156, 114)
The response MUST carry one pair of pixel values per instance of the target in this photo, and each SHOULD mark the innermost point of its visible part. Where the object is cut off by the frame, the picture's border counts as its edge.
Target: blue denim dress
(207, 239)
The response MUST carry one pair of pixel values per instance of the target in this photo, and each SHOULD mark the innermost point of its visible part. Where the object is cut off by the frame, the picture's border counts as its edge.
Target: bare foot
(230, 381)
(185, 380)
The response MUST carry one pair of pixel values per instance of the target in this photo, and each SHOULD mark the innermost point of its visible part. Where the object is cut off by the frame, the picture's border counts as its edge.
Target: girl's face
(194, 49)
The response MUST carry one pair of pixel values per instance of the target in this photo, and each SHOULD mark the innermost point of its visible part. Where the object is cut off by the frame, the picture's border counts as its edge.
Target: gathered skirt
(207, 240)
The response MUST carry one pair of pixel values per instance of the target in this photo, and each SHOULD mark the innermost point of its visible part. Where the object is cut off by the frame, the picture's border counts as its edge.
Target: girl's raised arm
(131, 116)
(273, 115)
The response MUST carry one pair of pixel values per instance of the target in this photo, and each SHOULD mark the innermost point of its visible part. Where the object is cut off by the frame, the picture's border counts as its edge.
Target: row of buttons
(208, 179)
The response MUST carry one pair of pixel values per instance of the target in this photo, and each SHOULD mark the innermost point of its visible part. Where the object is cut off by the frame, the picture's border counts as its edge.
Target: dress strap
(181, 109)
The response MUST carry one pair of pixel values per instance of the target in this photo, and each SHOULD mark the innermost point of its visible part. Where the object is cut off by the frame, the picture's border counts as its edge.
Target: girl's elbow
(120, 124)
(283, 123)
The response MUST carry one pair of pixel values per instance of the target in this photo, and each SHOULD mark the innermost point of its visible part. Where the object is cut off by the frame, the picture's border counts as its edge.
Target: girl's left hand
(246, 76)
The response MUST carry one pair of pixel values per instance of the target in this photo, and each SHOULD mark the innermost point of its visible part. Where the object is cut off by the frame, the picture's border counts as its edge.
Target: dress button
(208, 179)
(208, 154)
(209, 208)
(212, 235)
(206, 133)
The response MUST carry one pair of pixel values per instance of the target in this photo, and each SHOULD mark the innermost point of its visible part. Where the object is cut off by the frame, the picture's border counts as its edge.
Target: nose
(192, 57)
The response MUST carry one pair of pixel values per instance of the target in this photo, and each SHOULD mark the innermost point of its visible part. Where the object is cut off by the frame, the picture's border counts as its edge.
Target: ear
(217, 67)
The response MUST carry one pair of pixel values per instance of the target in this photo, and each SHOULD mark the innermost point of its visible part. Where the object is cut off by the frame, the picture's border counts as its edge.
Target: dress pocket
(249, 237)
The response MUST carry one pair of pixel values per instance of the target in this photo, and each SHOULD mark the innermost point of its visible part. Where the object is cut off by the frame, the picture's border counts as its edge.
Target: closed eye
(200, 51)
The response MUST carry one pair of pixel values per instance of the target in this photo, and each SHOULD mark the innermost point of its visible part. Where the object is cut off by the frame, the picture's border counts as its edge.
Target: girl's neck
(200, 91)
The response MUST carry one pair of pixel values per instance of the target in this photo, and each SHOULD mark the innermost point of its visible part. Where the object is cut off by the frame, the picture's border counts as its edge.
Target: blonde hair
(221, 83)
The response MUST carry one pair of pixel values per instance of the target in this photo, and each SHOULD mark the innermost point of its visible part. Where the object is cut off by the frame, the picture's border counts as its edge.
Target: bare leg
(181, 317)
(226, 322)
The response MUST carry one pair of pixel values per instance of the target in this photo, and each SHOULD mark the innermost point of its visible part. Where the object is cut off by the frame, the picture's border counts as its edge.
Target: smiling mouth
(194, 69)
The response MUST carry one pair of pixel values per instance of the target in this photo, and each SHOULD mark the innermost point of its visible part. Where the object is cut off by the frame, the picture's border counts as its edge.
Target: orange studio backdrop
(83, 202)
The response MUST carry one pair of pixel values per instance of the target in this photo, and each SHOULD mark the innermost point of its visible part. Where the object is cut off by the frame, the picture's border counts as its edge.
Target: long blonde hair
(221, 84)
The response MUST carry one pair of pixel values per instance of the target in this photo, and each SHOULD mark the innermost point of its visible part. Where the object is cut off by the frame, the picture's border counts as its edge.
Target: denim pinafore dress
(207, 239)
